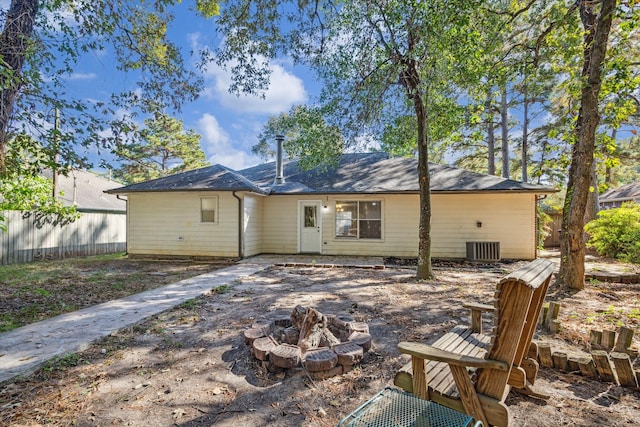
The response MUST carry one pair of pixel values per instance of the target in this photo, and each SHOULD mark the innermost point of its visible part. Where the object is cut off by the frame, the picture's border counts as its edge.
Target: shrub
(616, 233)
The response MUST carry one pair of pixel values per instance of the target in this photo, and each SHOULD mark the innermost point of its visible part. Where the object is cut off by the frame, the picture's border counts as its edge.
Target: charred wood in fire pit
(290, 335)
(314, 330)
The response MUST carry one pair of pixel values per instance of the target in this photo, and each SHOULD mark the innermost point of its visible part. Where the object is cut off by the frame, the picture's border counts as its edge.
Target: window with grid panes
(359, 219)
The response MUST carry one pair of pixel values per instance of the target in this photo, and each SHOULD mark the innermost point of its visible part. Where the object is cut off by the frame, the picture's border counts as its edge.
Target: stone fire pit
(325, 345)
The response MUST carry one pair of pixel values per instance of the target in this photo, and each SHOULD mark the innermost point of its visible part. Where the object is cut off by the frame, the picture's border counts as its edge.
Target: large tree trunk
(425, 270)
(607, 170)
(504, 114)
(491, 137)
(572, 245)
(410, 80)
(14, 43)
(525, 132)
(593, 198)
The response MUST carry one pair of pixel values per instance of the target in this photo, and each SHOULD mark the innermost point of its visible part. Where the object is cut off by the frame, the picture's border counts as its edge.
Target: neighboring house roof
(216, 177)
(355, 173)
(626, 192)
(86, 191)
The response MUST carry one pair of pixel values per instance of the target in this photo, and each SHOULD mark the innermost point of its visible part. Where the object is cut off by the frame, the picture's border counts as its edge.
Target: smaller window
(208, 209)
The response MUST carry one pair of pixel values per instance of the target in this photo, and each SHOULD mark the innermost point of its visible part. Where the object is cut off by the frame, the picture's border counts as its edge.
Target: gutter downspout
(126, 231)
(240, 218)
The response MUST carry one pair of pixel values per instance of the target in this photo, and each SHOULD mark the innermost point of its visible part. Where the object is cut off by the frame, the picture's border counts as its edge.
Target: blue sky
(229, 125)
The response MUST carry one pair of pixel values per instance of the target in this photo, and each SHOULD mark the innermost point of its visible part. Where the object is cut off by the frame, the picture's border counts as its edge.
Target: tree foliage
(42, 43)
(616, 233)
(308, 137)
(22, 187)
(162, 147)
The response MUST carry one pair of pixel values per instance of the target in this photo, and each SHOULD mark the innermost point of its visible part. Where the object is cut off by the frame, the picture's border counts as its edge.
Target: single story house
(367, 205)
(615, 197)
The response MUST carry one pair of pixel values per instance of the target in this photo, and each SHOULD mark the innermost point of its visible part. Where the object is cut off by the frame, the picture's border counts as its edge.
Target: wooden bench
(473, 372)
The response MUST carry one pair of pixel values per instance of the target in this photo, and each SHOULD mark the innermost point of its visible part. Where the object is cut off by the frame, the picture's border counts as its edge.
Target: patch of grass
(171, 343)
(593, 281)
(62, 363)
(40, 290)
(7, 323)
(192, 304)
(220, 289)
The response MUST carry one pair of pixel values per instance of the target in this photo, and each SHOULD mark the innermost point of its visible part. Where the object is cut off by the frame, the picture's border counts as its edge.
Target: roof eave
(509, 191)
(180, 190)
(401, 192)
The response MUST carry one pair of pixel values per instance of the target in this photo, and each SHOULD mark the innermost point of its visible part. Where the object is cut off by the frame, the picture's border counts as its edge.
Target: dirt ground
(191, 367)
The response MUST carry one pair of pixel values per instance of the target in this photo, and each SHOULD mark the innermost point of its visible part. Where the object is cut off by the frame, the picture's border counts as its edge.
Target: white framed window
(359, 219)
(209, 209)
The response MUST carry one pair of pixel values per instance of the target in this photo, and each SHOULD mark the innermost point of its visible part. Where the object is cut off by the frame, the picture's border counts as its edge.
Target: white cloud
(285, 90)
(82, 76)
(218, 146)
(213, 133)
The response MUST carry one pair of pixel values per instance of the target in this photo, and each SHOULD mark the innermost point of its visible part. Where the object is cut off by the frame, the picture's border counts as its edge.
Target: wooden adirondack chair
(471, 372)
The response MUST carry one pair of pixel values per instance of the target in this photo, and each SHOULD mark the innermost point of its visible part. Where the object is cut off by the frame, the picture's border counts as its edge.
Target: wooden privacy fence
(30, 237)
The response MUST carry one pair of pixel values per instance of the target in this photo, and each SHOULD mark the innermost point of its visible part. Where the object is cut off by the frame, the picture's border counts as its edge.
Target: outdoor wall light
(478, 224)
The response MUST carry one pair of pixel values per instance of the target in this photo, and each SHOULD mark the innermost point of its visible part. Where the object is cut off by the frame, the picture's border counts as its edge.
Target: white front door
(309, 226)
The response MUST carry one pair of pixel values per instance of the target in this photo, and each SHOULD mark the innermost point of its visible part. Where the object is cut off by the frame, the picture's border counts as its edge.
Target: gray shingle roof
(628, 191)
(355, 173)
(86, 190)
(216, 177)
(380, 173)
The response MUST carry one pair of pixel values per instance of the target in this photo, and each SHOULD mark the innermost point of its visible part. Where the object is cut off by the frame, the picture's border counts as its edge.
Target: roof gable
(216, 177)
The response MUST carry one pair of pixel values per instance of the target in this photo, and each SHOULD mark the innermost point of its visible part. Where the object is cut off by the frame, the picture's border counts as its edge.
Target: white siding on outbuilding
(169, 223)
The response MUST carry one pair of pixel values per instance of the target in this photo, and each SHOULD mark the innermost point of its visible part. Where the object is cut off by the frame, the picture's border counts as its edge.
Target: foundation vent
(483, 251)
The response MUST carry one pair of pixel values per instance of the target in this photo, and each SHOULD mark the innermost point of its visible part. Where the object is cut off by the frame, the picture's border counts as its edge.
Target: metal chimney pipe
(279, 164)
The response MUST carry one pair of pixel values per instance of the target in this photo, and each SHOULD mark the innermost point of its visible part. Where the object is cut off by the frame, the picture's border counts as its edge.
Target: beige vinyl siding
(506, 218)
(169, 224)
(252, 225)
(280, 224)
(399, 228)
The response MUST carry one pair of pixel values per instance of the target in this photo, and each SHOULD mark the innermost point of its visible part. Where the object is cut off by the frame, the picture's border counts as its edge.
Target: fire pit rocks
(325, 345)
